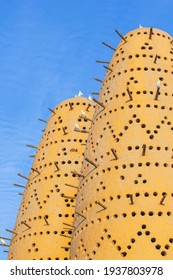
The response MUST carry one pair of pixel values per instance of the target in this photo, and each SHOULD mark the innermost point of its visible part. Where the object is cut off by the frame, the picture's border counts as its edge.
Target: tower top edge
(147, 29)
(74, 100)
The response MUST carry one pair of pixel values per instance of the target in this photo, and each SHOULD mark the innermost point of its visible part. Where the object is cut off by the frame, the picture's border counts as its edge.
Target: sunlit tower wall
(45, 218)
(124, 207)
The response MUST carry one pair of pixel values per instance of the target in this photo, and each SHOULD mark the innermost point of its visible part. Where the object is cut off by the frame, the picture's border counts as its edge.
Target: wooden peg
(46, 220)
(65, 236)
(69, 230)
(31, 146)
(84, 218)
(56, 164)
(103, 206)
(52, 111)
(42, 120)
(69, 197)
(11, 231)
(71, 186)
(108, 68)
(163, 198)
(131, 199)
(85, 118)
(71, 106)
(68, 225)
(98, 80)
(91, 162)
(130, 95)
(95, 93)
(19, 174)
(20, 193)
(77, 174)
(81, 130)
(25, 224)
(122, 37)
(18, 185)
(5, 238)
(109, 46)
(64, 130)
(35, 170)
(114, 153)
(102, 61)
(143, 150)
(87, 109)
(151, 33)
(157, 93)
(73, 150)
(99, 103)
(155, 59)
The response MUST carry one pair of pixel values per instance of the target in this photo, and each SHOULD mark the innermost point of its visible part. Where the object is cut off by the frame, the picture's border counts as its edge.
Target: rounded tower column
(45, 219)
(124, 205)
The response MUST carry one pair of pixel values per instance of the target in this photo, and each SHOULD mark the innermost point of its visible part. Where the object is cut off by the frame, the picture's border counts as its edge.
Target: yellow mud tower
(124, 207)
(114, 202)
(45, 218)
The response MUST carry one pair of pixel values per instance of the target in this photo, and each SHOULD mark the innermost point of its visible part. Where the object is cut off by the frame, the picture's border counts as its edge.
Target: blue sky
(48, 50)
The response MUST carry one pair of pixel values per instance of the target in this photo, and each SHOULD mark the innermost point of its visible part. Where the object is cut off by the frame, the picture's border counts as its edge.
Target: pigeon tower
(100, 187)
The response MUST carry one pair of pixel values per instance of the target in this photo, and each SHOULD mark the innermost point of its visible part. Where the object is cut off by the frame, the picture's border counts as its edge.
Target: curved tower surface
(124, 204)
(100, 186)
(45, 218)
